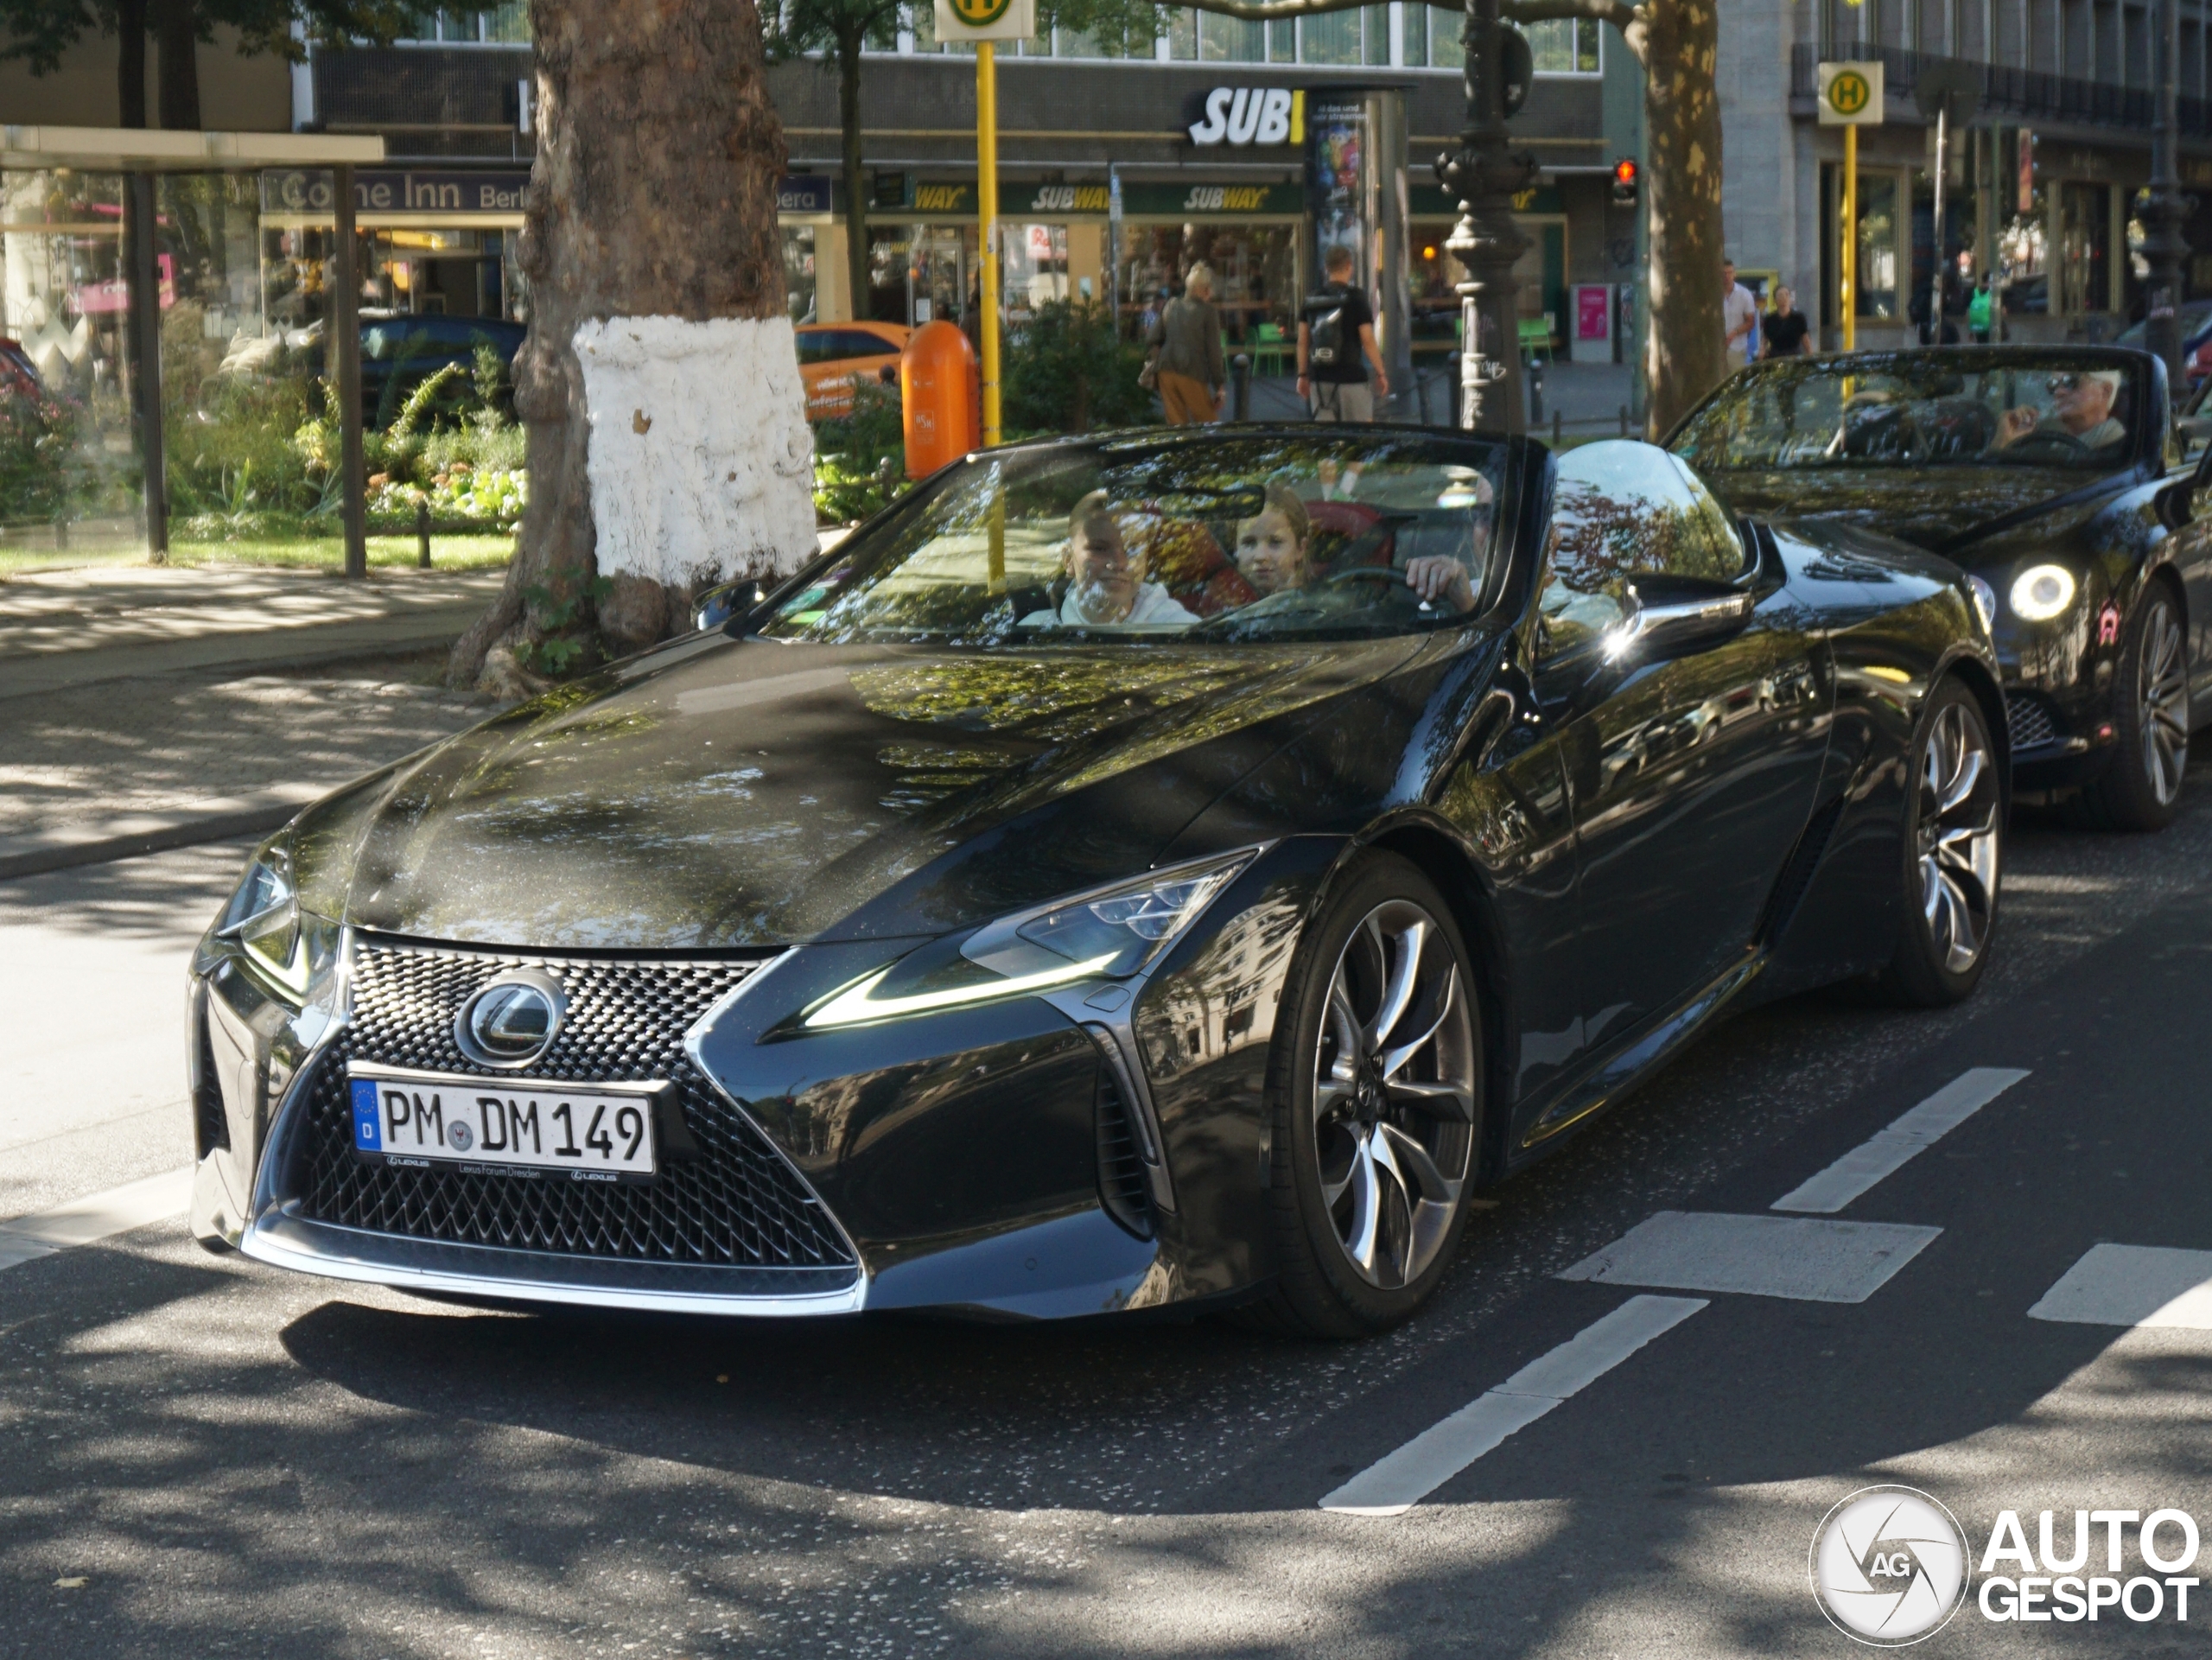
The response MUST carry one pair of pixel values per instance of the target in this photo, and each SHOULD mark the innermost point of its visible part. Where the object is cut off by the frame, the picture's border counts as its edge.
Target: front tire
(2141, 790)
(1376, 1090)
(1953, 850)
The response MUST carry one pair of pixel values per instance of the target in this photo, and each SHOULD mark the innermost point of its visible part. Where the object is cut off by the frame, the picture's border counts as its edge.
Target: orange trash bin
(941, 390)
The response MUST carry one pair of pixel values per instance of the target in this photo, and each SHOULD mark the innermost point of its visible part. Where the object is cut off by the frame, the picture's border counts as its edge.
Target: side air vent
(1798, 875)
(1122, 1189)
(2029, 719)
(211, 1125)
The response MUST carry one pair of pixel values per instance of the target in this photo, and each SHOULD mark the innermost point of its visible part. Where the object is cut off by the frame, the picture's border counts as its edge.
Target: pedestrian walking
(1739, 314)
(1336, 344)
(1981, 311)
(1787, 334)
(1187, 353)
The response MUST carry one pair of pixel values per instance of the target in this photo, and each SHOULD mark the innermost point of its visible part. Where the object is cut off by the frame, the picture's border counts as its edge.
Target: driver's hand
(1435, 577)
(2014, 424)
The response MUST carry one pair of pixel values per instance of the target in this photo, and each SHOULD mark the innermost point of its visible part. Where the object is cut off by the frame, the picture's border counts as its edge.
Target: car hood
(722, 794)
(1941, 509)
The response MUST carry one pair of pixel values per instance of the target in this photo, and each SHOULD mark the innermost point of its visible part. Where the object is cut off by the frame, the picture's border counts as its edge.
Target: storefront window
(2022, 254)
(505, 24)
(1283, 40)
(1230, 39)
(798, 272)
(1432, 275)
(1566, 46)
(1255, 279)
(1878, 272)
(1036, 269)
(1333, 37)
(2085, 248)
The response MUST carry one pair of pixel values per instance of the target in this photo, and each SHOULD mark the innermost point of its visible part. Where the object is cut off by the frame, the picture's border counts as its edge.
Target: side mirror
(718, 605)
(1671, 617)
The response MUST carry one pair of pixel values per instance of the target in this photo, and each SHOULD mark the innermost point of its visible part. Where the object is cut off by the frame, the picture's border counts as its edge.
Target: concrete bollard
(1240, 387)
(422, 534)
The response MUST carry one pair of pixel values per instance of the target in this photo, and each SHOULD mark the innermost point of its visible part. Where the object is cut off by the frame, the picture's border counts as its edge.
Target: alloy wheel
(1958, 831)
(2162, 702)
(1394, 1094)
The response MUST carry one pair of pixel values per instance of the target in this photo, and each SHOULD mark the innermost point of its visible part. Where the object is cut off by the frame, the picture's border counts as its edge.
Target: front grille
(1122, 1187)
(734, 1202)
(2030, 721)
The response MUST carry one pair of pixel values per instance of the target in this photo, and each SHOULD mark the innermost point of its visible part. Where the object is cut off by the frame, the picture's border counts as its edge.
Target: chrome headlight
(2042, 591)
(264, 918)
(1109, 933)
(1985, 600)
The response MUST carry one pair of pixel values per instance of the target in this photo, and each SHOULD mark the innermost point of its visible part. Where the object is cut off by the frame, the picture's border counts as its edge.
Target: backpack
(1328, 343)
(1979, 308)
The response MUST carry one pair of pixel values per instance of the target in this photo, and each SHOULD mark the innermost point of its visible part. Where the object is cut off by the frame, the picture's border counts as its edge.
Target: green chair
(1267, 349)
(1536, 337)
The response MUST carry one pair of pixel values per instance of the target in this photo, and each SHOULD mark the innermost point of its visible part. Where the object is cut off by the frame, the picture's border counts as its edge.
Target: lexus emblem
(513, 1020)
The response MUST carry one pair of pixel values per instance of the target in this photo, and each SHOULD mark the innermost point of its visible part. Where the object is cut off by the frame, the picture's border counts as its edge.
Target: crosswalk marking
(1798, 1258)
(85, 1221)
(1888, 1149)
(1395, 1483)
(2133, 1285)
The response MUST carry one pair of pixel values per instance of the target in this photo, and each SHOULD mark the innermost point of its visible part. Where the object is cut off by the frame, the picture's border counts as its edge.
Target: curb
(216, 827)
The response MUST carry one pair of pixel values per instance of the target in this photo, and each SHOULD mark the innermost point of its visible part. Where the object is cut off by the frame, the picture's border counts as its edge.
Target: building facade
(2042, 185)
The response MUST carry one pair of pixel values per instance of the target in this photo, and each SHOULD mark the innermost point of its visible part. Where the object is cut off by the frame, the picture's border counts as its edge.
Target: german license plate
(512, 1125)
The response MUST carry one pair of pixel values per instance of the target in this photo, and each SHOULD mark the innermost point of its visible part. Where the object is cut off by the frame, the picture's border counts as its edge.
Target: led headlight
(290, 947)
(1109, 933)
(2042, 591)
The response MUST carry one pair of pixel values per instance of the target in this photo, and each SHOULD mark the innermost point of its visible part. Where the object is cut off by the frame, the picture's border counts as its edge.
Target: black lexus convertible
(1128, 872)
(2057, 476)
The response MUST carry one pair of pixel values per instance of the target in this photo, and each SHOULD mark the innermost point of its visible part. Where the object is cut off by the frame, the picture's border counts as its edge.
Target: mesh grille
(1120, 1173)
(2030, 721)
(735, 1203)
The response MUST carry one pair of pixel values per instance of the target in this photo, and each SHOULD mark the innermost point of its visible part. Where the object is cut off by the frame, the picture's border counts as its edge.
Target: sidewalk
(1587, 397)
(144, 708)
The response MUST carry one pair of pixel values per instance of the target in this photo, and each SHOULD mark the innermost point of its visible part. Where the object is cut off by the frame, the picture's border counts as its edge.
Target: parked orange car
(831, 355)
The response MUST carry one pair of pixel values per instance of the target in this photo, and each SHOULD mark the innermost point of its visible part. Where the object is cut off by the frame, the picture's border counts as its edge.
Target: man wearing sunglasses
(2081, 409)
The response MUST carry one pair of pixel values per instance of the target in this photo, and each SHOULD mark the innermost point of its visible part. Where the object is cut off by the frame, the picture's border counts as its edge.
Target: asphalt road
(200, 1456)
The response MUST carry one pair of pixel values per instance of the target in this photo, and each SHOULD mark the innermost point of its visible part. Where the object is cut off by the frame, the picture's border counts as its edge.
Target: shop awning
(117, 150)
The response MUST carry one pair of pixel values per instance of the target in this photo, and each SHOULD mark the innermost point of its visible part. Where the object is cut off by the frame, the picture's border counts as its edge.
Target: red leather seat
(1187, 559)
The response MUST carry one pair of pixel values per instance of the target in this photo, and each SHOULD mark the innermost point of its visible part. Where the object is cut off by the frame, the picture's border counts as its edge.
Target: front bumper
(1034, 1157)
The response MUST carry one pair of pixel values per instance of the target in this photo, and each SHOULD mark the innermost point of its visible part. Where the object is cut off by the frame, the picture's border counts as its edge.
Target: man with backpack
(1336, 342)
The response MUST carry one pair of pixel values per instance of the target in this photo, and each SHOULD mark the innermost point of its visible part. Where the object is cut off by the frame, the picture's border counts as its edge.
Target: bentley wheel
(1953, 848)
(1377, 1088)
(2141, 790)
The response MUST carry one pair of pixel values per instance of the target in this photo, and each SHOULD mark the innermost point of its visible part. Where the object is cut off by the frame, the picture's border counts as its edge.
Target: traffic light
(1627, 175)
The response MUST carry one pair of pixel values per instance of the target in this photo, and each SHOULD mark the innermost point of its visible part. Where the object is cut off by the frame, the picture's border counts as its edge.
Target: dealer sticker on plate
(516, 1126)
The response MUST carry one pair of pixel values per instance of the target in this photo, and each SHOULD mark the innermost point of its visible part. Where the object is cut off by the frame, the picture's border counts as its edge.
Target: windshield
(1933, 408)
(1135, 540)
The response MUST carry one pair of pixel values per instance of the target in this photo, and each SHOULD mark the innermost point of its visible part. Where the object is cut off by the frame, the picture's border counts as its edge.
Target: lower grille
(1122, 1185)
(210, 1124)
(731, 1201)
(2030, 721)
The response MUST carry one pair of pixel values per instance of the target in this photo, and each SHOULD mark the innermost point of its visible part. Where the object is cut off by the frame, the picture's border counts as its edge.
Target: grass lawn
(456, 552)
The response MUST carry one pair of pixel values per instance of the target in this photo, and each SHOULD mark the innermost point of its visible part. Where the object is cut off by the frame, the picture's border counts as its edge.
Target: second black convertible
(1129, 872)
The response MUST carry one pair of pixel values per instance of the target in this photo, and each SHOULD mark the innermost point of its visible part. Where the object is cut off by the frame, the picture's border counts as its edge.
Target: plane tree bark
(666, 436)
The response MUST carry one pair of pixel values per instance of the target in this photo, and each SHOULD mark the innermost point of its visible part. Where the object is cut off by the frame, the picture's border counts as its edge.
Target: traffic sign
(1851, 94)
(986, 20)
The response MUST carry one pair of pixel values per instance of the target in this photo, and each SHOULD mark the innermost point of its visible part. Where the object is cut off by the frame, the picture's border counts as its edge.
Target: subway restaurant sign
(1049, 201)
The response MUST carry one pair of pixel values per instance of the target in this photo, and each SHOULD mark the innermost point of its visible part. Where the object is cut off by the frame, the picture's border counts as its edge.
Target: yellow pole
(987, 183)
(1848, 289)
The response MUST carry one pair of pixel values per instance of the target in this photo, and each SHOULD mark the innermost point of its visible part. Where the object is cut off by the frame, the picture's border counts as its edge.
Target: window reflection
(1620, 511)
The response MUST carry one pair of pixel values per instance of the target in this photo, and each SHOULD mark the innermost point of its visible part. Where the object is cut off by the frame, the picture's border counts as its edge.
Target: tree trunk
(131, 63)
(849, 120)
(1685, 356)
(176, 30)
(668, 446)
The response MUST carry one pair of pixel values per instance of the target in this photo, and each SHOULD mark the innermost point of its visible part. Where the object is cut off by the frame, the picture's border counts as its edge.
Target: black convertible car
(2056, 476)
(1129, 872)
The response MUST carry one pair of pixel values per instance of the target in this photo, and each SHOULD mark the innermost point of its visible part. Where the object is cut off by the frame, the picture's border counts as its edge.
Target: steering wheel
(1365, 574)
(2053, 443)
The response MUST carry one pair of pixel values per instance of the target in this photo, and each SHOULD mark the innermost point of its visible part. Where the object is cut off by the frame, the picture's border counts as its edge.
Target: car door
(1693, 760)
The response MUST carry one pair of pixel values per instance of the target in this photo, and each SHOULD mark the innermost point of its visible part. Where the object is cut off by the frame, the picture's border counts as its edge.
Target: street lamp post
(2166, 210)
(1484, 175)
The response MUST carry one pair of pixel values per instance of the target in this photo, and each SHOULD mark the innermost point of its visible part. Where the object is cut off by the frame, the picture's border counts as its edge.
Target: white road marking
(1798, 1258)
(118, 1211)
(1393, 1484)
(2133, 1285)
(1883, 1153)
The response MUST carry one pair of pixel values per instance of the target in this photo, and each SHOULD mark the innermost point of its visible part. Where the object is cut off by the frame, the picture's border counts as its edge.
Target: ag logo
(1889, 1565)
(979, 14)
(1848, 94)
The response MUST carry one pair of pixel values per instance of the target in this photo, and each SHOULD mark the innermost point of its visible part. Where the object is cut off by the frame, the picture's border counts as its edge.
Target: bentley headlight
(1109, 933)
(2042, 591)
(1985, 600)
